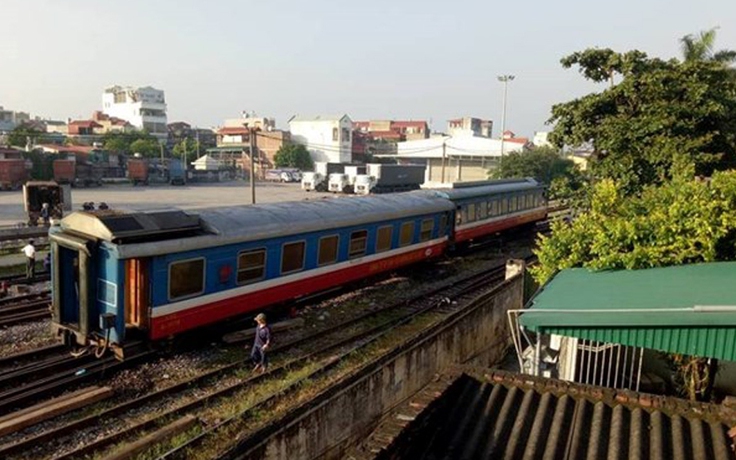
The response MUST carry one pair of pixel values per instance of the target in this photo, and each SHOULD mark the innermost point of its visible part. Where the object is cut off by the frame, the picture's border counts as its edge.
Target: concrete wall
(345, 413)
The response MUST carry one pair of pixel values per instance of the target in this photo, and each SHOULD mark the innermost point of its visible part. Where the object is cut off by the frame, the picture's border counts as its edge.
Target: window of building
(427, 227)
(383, 238)
(345, 135)
(119, 98)
(292, 257)
(407, 234)
(358, 243)
(186, 278)
(251, 266)
(335, 134)
(328, 250)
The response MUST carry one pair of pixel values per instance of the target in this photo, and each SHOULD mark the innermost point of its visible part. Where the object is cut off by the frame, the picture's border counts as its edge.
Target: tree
(150, 148)
(121, 142)
(701, 48)
(661, 116)
(22, 134)
(293, 156)
(186, 149)
(545, 164)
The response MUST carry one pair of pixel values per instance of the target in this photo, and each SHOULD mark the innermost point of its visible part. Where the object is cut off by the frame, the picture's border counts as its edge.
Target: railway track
(321, 350)
(20, 309)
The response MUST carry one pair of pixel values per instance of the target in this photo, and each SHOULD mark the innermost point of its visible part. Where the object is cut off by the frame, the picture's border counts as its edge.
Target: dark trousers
(258, 356)
(30, 267)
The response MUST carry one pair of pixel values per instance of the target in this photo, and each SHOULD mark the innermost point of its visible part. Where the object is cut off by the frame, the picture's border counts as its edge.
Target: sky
(378, 59)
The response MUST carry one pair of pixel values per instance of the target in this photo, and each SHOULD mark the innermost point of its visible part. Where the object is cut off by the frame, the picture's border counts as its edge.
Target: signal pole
(252, 154)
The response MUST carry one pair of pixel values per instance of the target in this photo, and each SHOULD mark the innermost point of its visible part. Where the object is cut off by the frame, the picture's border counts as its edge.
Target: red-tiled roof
(81, 149)
(517, 140)
(409, 124)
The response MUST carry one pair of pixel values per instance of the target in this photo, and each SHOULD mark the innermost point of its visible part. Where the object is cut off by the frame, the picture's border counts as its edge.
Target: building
(469, 126)
(379, 137)
(328, 138)
(10, 119)
(144, 108)
(541, 139)
(234, 143)
(179, 131)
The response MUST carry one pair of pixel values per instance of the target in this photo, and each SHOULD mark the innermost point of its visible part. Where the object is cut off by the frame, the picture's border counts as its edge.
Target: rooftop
(476, 413)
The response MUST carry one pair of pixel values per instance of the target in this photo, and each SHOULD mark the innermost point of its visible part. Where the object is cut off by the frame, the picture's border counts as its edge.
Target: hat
(260, 317)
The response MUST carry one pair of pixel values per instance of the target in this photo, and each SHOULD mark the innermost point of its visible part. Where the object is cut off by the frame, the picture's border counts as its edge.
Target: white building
(541, 139)
(465, 158)
(328, 138)
(9, 119)
(469, 126)
(144, 108)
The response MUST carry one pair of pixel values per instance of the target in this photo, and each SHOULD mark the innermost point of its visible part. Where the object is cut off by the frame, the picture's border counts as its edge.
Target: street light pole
(505, 79)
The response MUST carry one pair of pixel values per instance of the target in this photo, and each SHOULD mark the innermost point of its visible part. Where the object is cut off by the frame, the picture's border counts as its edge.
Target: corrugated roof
(688, 309)
(513, 416)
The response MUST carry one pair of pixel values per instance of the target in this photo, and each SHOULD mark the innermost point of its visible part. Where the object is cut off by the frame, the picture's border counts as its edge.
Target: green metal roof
(689, 309)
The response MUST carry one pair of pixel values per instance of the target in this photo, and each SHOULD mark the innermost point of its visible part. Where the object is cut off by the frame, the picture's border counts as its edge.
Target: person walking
(30, 251)
(261, 343)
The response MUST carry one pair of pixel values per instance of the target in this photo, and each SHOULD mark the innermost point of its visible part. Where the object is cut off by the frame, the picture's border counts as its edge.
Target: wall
(317, 136)
(326, 426)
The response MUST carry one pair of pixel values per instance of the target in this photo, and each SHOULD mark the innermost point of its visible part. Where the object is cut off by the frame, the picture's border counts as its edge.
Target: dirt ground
(125, 196)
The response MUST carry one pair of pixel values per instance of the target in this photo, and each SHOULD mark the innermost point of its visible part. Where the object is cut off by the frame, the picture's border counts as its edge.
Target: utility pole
(505, 79)
(197, 131)
(444, 157)
(252, 142)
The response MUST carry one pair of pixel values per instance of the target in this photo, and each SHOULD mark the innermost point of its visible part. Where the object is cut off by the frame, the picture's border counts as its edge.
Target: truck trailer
(387, 178)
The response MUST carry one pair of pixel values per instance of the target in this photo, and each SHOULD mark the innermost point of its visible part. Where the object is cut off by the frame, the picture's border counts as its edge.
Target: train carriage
(119, 275)
(488, 207)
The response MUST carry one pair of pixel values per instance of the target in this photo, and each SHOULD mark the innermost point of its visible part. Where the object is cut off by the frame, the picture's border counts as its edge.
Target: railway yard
(197, 397)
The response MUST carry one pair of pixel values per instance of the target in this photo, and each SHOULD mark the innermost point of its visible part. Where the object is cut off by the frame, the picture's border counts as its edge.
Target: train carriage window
(358, 243)
(471, 213)
(407, 234)
(292, 257)
(494, 208)
(427, 227)
(251, 266)
(328, 250)
(443, 225)
(528, 201)
(504, 205)
(383, 238)
(482, 210)
(512, 204)
(186, 278)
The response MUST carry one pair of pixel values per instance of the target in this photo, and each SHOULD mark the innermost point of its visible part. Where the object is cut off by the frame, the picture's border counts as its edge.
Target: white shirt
(29, 251)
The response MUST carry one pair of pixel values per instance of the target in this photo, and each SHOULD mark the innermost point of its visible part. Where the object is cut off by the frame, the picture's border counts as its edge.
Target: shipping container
(386, 178)
(177, 172)
(87, 174)
(13, 174)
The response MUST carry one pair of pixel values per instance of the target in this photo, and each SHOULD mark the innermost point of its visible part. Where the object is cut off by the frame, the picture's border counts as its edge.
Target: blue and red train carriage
(123, 275)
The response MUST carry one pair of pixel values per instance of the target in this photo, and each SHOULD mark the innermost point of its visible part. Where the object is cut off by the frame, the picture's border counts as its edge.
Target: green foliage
(662, 115)
(545, 164)
(682, 221)
(186, 149)
(149, 148)
(42, 168)
(19, 136)
(702, 48)
(293, 156)
(123, 143)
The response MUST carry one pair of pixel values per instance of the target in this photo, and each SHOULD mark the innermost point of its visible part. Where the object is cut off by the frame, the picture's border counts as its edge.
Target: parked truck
(319, 179)
(138, 171)
(13, 174)
(386, 178)
(87, 174)
(345, 182)
(64, 171)
(177, 172)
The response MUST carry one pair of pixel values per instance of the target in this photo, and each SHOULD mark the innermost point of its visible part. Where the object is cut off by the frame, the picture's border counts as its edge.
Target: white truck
(345, 182)
(319, 179)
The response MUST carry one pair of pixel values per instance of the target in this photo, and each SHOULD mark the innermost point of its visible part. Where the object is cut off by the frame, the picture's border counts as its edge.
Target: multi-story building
(234, 142)
(10, 119)
(469, 126)
(328, 138)
(144, 108)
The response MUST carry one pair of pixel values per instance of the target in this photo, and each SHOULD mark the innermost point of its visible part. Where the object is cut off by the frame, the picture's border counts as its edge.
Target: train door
(72, 289)
(137, 295)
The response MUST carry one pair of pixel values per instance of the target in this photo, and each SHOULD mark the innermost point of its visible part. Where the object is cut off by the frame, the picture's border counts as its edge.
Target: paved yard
(161, 196)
